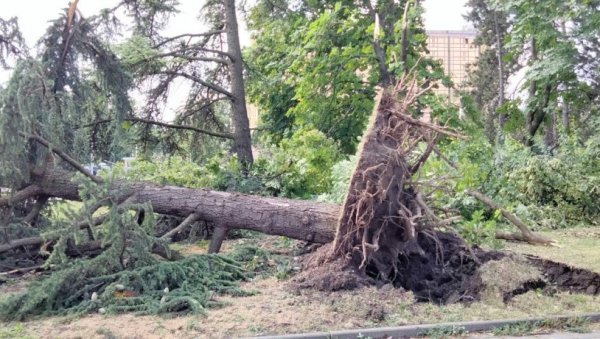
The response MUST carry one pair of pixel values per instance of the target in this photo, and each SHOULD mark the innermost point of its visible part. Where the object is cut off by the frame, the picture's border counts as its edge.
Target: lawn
(277, 309)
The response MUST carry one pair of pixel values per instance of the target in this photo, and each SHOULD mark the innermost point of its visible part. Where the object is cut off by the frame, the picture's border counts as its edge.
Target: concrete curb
(416, 330)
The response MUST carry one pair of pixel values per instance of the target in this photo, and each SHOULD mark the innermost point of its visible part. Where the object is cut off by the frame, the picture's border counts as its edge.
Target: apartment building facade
(455, 50)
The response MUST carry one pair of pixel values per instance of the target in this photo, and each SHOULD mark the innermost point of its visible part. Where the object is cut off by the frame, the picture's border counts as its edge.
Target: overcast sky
(34, 16)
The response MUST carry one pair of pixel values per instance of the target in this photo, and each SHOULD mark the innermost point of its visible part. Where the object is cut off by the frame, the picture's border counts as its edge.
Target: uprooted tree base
(386, 229)
(386, 232)
(447, 274)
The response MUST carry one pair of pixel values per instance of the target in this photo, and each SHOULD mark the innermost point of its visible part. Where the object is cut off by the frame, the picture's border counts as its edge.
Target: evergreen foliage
(12, 44)
(125, 276)
(54, 96)
(191, 283)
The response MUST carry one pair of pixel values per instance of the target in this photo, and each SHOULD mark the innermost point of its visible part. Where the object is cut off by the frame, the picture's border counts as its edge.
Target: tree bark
(500, 54)
(241, 125)
(217, 239)
(303, 220)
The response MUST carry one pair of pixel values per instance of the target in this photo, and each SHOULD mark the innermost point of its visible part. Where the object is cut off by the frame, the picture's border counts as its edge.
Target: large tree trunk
(241, 125)
(303, 220)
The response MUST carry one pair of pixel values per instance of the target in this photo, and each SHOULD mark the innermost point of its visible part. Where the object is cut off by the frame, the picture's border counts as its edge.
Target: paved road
(558, 335)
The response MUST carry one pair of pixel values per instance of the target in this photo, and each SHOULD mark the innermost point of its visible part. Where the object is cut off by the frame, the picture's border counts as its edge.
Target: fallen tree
(297, 219)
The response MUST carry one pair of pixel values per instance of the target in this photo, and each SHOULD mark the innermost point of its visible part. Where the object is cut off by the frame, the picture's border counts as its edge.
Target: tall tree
(548, 38)
(489, 76)
(321, 62)
(209, 61)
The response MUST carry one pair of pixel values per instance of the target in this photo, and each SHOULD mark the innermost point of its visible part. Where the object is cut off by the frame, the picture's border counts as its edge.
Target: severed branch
(26, 193)
(526, 234)
(218, 236)
(35, 211)
(63, 155)
(184, 224)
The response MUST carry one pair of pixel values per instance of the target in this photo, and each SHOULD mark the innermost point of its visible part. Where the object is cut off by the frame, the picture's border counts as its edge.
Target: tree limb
(526, 233)
(35, 211)
(210, 85)
(176, 54)
(192, 35)
(185, 223)
(530, 237)
(63, 155)
(26, 193)
(167, 125)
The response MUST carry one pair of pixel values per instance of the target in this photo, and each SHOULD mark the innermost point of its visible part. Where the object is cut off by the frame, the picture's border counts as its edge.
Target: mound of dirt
(566, 277)
(437, 267)
(326, 275)
(441, 268)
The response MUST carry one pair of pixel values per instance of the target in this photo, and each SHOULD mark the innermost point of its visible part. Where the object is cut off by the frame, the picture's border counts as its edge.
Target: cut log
(297, 219)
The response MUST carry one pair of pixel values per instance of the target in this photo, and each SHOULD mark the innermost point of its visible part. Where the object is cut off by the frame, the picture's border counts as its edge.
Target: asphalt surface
(558, 335)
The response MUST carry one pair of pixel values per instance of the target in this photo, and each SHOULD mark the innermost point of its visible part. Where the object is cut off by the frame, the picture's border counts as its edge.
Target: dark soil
(441, 269)
(568, 278)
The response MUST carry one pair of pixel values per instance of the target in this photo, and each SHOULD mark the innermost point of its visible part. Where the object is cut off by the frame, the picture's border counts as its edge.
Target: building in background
(455, 50)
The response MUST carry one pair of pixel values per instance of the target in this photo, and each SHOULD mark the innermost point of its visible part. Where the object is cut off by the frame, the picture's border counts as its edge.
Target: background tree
(546, 38)
(210, 62)
(489, 75)
(320, 63)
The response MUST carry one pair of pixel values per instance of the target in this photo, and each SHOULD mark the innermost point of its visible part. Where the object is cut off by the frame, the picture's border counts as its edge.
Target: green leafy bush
(300, 167)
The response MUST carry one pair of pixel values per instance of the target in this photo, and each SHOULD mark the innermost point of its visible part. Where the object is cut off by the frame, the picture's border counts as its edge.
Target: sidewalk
(558, 335)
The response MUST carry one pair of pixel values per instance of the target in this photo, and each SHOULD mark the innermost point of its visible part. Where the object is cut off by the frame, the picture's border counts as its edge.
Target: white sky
(34, 16)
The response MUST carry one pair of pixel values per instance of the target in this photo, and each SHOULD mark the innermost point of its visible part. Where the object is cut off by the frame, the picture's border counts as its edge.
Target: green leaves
(316, 67)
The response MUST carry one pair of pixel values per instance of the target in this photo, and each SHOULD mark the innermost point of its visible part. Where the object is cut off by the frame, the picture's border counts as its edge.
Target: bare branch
(210, 85)
(164, 124)
(193, 35)
(185, 223)
(177, 54)
(63, 155)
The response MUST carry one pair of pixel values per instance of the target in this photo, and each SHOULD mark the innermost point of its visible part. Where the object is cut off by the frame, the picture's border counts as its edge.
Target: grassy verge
(577, 246)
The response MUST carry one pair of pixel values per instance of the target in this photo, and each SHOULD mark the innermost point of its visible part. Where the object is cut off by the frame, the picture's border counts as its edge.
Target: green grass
(14, 330)
(579, 325)
(446, 332)
(578, 247)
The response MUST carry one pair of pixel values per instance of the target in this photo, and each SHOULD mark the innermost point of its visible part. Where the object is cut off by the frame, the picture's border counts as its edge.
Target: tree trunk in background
(241, 125)
(502, 117)
(550, 132)
(303, 220)
(565, 116)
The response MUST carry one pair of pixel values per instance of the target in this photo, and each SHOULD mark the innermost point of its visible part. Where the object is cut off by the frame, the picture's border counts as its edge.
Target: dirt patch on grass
(579, 247)
(435, 266)
(568, 278)
(440, 268)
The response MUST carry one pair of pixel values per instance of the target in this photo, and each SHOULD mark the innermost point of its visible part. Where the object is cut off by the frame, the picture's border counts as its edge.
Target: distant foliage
(341, 174)
(299, 167)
